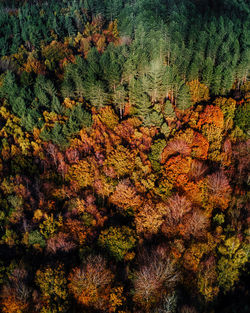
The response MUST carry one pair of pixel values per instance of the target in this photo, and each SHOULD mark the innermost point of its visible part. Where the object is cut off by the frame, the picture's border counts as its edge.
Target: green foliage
(71, 170)
(165, 130)
(219, 218)
(155, 154)
(119, 241)
(242, 117)
(35, 238)
(183, 101)
(233, 257)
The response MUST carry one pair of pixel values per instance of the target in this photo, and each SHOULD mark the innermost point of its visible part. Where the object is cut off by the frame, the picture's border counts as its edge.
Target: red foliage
(218, 184)
(219, 189)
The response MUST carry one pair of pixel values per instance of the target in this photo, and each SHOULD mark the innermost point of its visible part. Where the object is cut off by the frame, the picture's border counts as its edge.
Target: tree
(91, 284)
(242, 117)
(183, 100)
(53, 285)
(219, 190)
(194, 224)
(15, 293)
(80, 173)
(60, 242)
(198, 91)
(233, 256)
(154, 277)
(122, 160)
(119, 241)
(156, 152)
(150, 217)
(126, 197)
(155, 78)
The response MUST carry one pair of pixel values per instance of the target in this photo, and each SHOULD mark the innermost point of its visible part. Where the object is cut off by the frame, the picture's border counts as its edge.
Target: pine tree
(207, 72)
(111, 68)
(56, 106)
(155, 77)
(119, 99)
(183, 101)
(96, 94)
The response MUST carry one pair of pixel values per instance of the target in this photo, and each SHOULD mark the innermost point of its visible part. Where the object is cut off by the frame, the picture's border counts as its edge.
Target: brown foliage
(60, 242)
(91, 284)
(194, 224)
(175, 146)
(188, 309)
(155, 276)
(197, 170)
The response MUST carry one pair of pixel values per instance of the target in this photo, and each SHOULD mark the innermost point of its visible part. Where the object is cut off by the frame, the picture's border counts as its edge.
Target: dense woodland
(124, 156)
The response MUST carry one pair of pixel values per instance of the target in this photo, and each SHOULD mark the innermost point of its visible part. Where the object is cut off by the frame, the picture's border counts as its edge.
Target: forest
(124, 156)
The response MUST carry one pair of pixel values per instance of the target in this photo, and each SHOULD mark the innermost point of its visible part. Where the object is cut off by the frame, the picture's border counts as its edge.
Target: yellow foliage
(199, 92)
(81, 173)
(122, 160)
(50, 226)
(108, 117)
(116, 298)
(38, 214)
(150, 218)
(68, 103)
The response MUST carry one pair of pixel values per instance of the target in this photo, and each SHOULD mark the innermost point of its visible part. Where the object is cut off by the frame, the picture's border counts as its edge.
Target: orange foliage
(193, 190)
(35, 66)
(176, 166)
(125, 196)
(12, 305)
(200, 146)
(150, 218)
(211, 115)
(77, 230)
